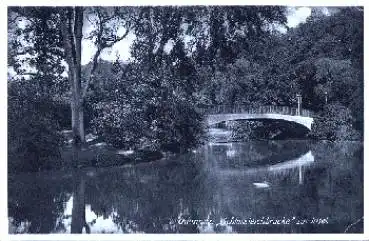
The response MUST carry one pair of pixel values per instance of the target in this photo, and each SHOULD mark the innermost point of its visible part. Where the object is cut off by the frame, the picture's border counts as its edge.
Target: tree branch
(29, 73)
(94, 65)
(13, 20)
(116, 40)
(101, 45)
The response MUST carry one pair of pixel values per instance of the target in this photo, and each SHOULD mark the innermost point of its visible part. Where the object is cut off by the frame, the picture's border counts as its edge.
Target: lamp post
(299, 103)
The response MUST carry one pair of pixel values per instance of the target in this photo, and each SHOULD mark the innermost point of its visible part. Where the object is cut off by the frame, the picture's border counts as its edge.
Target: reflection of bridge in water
(269, 172)
(280, 170)
(254, 190)
(224, 113)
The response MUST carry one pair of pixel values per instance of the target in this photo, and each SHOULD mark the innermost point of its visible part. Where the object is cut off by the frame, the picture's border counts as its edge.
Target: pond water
(249, 187)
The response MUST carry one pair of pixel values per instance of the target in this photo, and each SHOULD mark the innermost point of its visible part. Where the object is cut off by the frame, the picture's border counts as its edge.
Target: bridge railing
(270, 109)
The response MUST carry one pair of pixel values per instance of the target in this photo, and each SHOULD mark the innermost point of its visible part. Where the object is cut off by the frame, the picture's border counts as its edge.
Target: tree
(105, 37)
(71, 28)
(148, 110)
(62, 28)
(35, 55)
(230, 54)
(327, 56)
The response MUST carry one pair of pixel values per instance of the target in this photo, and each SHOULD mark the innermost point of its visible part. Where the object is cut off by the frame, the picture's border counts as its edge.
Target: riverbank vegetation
(182, 59)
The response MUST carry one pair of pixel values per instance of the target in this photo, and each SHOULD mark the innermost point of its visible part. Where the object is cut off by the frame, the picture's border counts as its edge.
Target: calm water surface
(244, 187)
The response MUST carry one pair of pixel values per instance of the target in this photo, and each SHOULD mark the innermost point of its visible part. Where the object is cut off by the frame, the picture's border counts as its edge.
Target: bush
(33, 138)
(119, 125)
(174, 128)
(334, 123)
(179, 128)
(150, 109)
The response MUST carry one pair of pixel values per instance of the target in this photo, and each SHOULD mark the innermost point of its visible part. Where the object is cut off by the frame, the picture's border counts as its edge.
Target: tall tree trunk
(71, 26)
(72, 23)
(78, 24)
(81, 125)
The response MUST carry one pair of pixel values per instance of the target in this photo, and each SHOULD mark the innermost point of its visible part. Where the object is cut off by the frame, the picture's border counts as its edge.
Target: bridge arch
(222, 114)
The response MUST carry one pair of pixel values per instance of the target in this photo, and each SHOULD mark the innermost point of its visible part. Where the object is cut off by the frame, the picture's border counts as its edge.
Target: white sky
(296, 15)
(121, 48)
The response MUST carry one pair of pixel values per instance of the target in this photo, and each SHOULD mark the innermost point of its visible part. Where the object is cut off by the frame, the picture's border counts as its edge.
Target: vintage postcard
(185, 119)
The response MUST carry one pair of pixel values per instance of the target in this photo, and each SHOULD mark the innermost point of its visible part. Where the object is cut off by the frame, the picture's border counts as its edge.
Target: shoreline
(129, 161)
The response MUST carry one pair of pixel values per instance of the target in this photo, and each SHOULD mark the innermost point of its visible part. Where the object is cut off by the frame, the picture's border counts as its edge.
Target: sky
(298, 15)
(295, 16)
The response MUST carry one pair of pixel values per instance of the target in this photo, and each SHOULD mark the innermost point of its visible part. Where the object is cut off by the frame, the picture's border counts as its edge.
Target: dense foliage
(182, 58)
(335, 122)
(33, 139)
(321, 59)
(148, 110)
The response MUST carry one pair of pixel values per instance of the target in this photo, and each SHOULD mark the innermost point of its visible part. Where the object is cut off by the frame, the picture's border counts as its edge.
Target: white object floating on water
(100, 144)
(90, 137)
(125, 152)
(264, 184)
(220, 143)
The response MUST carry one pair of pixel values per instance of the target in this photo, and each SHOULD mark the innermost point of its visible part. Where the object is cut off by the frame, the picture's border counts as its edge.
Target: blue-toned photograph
(185, 119)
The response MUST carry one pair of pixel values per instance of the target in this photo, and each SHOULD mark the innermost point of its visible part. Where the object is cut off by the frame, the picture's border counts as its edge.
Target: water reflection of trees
(38, 201)
(173, 191)
(151, 197)
(155, 200)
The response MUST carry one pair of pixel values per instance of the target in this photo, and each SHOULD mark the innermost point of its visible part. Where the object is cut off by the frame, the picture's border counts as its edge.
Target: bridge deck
(242, 109)
(219, 114)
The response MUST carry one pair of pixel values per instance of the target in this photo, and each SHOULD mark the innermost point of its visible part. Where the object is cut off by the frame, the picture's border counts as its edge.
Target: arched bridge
(223, 113)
